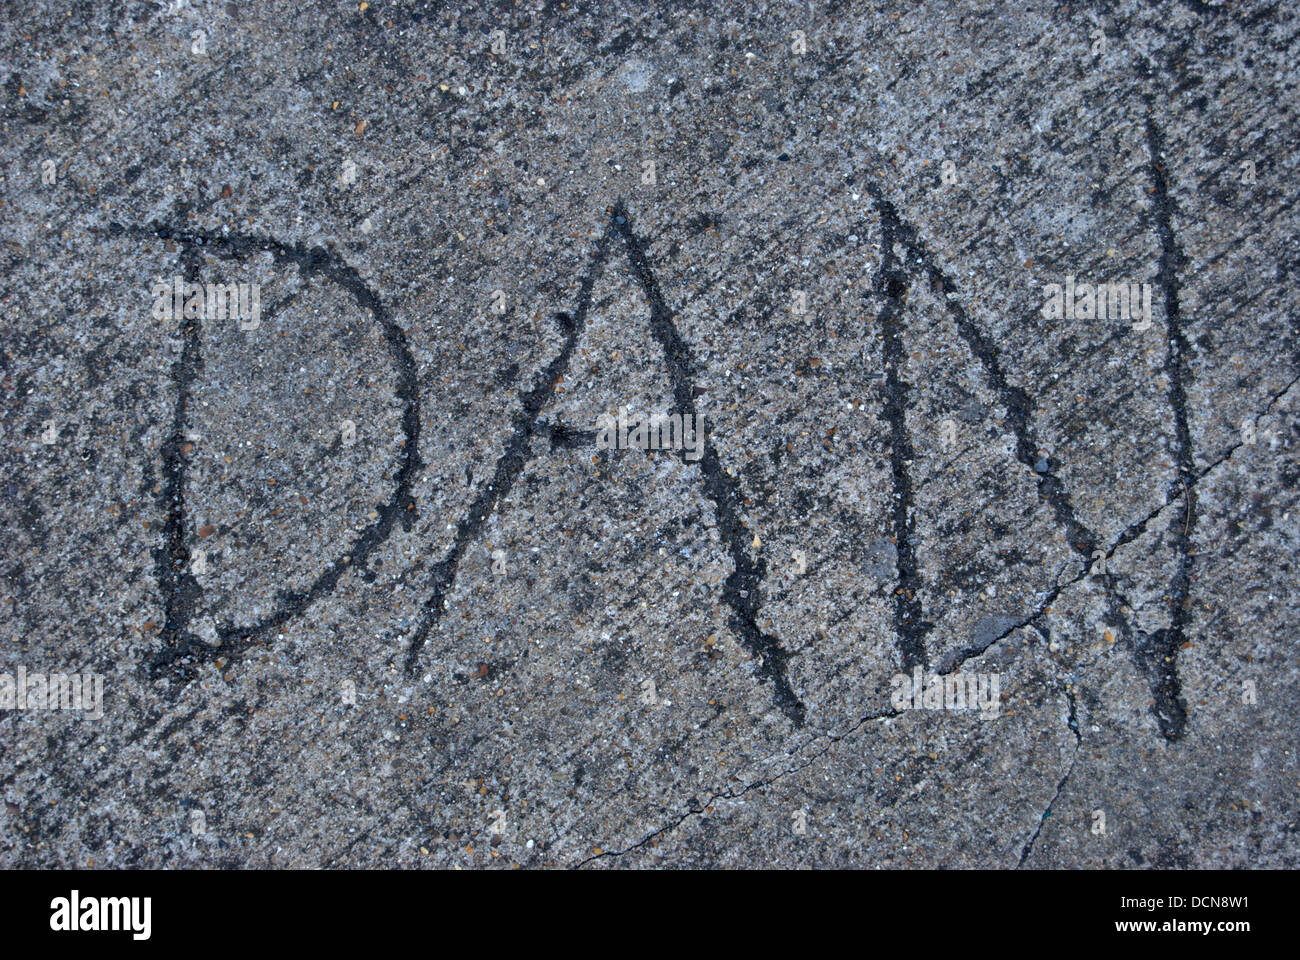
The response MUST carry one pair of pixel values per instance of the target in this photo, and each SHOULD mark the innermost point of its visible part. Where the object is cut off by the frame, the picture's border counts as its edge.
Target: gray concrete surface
(464, 635)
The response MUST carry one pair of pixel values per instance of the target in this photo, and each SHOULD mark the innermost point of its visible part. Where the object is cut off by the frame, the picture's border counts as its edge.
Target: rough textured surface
(951, 462)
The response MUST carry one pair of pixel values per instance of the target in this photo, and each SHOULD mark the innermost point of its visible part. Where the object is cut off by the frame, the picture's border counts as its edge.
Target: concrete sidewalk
(976, 561)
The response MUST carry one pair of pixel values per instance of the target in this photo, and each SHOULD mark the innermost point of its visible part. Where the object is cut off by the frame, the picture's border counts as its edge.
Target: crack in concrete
(1072, 721)
(733, 795)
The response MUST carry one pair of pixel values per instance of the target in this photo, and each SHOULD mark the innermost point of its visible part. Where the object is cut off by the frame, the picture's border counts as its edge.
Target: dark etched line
(741, 591)
(179, 587)
(274, 309)
(910, 627)
(1014, 399)
(512, 460)
(1086, 357)
(182, 650)
(565, 437)
(1157, 653)
(1154, 653)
